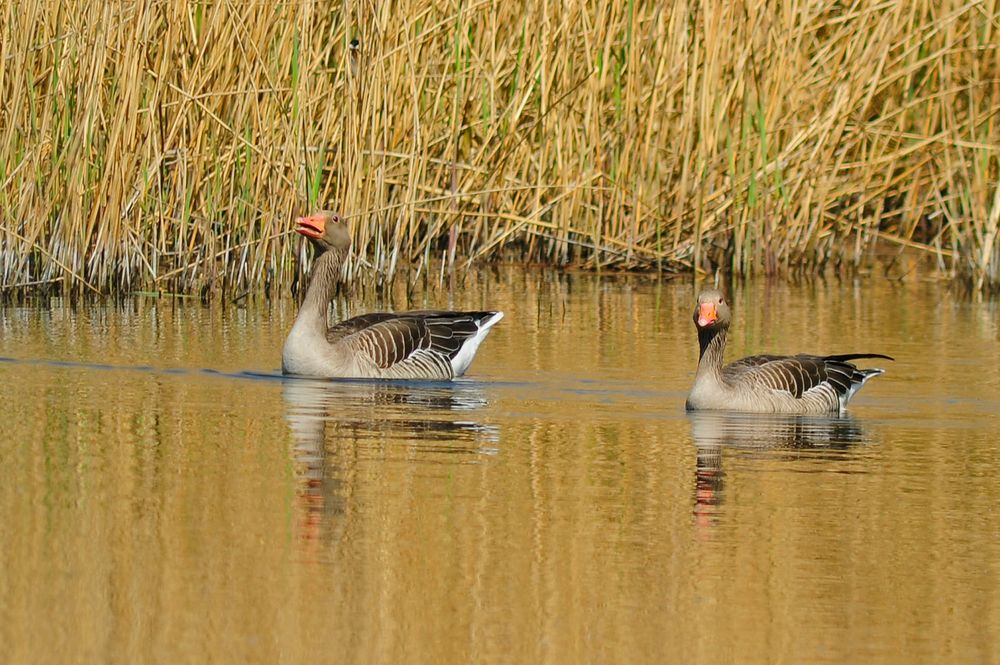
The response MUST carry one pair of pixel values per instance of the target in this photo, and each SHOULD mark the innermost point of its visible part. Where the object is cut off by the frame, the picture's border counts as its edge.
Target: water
(164, 497)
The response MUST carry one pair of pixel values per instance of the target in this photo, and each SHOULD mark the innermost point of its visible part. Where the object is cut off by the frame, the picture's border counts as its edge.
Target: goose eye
(336, 219)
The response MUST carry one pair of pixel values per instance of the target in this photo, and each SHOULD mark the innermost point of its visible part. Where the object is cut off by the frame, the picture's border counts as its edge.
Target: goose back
(415, 345)
(800, 383)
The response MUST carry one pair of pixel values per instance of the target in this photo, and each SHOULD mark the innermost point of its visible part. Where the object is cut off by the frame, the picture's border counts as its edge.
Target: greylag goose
(768, 384)
(381, 345)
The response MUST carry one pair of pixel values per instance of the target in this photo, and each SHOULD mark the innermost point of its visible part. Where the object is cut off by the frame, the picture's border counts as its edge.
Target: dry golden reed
(167, 144)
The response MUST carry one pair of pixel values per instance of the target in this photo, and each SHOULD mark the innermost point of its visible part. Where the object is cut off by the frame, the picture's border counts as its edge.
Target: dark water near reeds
(557, 505)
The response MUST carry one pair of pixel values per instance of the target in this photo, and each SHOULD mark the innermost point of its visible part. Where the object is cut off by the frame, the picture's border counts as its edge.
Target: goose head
(326, 229)
(712, 311)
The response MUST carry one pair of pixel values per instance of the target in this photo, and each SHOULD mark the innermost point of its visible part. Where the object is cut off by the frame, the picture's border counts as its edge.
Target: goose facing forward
(404, 345)
(768, 384)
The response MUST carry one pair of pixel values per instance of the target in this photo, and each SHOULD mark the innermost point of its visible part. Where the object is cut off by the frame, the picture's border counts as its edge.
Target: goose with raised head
(381, 345)
(768, 384)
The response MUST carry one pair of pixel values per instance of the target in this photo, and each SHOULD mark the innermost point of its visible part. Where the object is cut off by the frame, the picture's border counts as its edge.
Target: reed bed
(167, 144)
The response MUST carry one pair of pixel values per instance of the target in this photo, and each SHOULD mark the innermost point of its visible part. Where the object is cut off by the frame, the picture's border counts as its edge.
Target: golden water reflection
(165, 496)
(770, 436)
(331, 421)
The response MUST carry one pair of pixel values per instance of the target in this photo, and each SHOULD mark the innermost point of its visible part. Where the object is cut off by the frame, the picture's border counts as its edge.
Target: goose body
(767, 383)
(380, 345)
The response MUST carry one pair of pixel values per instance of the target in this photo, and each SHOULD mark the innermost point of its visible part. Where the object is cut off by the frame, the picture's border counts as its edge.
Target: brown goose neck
(713, 345)
(322, 286)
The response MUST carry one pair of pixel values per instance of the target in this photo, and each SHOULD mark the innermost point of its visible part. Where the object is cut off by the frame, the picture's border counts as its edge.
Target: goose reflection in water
(772, 437)
(335, 425)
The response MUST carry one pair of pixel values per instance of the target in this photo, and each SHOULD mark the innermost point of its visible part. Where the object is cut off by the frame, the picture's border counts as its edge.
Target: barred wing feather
(429, 341)
(799, 374)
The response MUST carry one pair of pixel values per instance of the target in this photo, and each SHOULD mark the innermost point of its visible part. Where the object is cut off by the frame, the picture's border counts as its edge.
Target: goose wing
(423, 342)
(339, 331)
(798, 375)
(744, 364)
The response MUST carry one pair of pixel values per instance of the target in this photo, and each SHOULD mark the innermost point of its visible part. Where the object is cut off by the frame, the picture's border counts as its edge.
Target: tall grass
(166, 144)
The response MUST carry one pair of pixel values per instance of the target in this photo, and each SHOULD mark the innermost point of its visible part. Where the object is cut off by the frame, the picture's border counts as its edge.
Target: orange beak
(707, 314)
(310, 227)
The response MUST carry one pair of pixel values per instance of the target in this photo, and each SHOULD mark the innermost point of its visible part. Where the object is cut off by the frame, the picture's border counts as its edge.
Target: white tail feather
(868, 373)
(464, 357)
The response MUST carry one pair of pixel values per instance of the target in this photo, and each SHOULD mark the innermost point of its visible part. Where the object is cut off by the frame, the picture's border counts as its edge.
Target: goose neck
(713, 346)
(321, 289)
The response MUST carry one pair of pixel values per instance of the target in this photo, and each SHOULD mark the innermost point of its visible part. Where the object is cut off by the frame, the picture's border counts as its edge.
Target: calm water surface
(165, 498)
